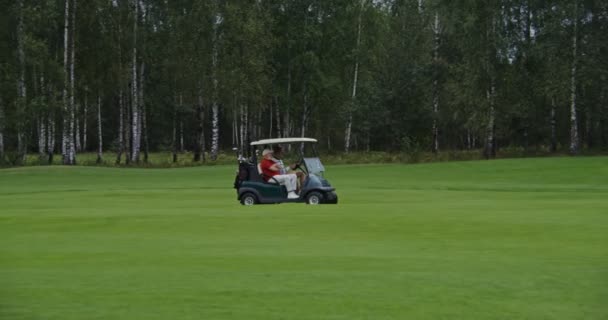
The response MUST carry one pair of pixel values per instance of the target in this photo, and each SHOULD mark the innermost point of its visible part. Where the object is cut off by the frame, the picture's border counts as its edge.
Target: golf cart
(254, 188)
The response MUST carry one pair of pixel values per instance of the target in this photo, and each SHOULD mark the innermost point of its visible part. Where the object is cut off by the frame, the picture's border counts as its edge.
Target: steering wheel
(298, 166)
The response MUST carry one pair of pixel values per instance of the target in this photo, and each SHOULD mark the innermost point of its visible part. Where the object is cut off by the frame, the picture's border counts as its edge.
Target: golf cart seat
(263, 176)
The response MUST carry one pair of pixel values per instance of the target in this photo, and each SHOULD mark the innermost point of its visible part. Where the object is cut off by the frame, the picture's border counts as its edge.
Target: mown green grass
(506, 239)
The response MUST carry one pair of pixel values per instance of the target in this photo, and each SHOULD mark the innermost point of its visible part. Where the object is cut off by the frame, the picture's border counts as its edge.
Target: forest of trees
(136, 76)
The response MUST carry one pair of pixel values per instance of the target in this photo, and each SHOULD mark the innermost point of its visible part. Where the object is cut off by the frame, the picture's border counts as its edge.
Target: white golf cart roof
(282, 140)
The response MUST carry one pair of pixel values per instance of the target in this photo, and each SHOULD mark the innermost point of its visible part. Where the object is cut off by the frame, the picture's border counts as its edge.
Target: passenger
(270, 169)
(277, 153)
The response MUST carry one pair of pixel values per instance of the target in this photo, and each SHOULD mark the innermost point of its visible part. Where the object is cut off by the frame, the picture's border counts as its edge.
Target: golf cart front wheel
(314, 198)
(249, 199)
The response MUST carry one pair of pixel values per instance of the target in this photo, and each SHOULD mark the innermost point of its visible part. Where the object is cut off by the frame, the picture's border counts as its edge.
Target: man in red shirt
(271, 169)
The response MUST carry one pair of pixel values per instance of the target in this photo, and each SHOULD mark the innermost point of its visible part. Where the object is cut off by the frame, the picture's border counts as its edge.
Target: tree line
(135, 76)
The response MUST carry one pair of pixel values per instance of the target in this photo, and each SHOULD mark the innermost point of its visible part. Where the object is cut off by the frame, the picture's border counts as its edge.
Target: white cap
(266, 152)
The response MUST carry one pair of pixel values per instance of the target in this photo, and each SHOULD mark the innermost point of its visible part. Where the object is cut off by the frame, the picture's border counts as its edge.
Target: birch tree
(574, 139)
(135, 116)
(349, 121)
(72, 120)
(21, 88)
(65, 115)
(215, 121)
(436, 34)
(99, 132)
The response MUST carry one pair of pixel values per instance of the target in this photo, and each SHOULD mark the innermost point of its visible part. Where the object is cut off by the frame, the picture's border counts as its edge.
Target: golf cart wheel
(249, 199)
(314, 198)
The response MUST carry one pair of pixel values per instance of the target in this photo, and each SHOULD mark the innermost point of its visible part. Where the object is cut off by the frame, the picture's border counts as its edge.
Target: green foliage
(298, 57)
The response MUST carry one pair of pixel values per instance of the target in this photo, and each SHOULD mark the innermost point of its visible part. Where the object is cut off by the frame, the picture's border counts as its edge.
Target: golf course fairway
(504, 239)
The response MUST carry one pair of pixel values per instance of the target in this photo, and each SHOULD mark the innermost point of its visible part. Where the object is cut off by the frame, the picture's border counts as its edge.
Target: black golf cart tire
(249, 199)
(314, 198)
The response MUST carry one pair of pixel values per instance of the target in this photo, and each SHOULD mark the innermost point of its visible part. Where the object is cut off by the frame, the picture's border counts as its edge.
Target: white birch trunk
(21, 88)
(215, 122)
(71, 145)
(574, 139)
(42, 131)
(99, 132)
(491, 93)
(215, 131)
(349, 121)
(65, 115)
(436, 84)
(135, 118)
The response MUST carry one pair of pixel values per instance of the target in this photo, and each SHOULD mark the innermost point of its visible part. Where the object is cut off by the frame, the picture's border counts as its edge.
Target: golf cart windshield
(304, 146)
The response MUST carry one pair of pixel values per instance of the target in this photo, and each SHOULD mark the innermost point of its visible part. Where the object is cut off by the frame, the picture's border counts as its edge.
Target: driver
(277, 153)
(271, 169)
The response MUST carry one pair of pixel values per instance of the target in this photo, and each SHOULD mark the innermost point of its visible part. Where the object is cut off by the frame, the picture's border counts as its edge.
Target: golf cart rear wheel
(249, 199)
(314, 198)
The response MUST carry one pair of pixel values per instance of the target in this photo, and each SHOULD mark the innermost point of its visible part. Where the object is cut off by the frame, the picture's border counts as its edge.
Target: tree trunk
(490, 148)
(121, 124)
(121, 107)
(65, 115)
(77, 130)
(270, 124)
(135, 117)
(200, 115)
(553, 126)
(182, 149)
(215, 121)
(574, 139)
(278, 112)
(349, 121)
(99, 132)
(242, 129)
(21, 88)
(436, 84)
(286, 117)
(42, 131)
(71, 145)
(174, 143)
(51, 138)
(215, 130)
(84, 120)
(127, 128)
(143, 133)
(305, 115)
